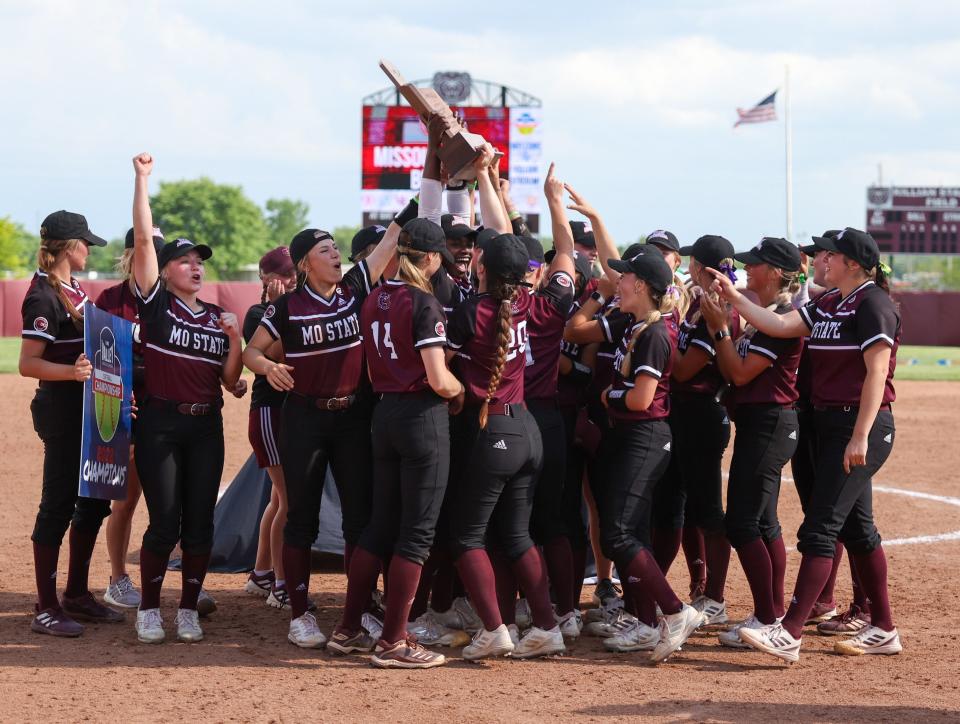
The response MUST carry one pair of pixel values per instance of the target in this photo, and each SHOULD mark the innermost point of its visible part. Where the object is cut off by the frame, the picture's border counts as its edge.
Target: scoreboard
(395, 144)
(914, 219)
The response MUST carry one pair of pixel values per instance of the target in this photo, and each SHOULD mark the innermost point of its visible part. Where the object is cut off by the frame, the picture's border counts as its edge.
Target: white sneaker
(489, 643)
(600, 613)
(305, 633)
(522, 615)
(731, 637)
(571, 624)
(675, 629)
(514, 634)
(122, 593)
(431, 633)
(617, 622)
(540, 642)
(150, 626)
(714, 612)
(774, 640)
(872, 640)
(373, 625)
(188, 625)
(638, 637)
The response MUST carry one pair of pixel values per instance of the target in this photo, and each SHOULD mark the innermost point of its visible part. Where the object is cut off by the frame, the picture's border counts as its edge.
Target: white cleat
(373, 625)
(188, 625)
(522, 615)
(487, 644)
(571, 625)
(714, 612)
(615, 621)
(638, 637)
(460, 616)
(305, 633)
(872, 640)
(514, 634)
(431, 633)
(150, 626)
(675, 629)
(774, 640)
(731, 637)
(540, 642)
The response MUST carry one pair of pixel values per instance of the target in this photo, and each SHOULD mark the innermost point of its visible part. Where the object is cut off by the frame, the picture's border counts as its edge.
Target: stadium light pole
(788, 151)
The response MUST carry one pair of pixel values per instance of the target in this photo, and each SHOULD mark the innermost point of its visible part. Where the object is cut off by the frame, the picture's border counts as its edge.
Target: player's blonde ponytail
(410, 268)
(664, 304)
(503, 293)
(51, 250)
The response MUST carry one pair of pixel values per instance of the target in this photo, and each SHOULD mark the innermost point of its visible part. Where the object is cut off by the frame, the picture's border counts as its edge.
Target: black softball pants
(766, 439)
(803, 462)
(841, 504)
(57, 411)
(180, 462)
(499, 484)
(574, 524)
(411, 463)
(702, 434)
(636, 454)
(548, 520)
(310, 440)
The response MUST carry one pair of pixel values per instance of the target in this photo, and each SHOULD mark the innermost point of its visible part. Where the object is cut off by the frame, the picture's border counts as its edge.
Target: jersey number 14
(387, 342)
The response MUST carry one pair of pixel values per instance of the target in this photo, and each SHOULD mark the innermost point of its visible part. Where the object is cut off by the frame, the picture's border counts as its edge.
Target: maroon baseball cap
(277, 261)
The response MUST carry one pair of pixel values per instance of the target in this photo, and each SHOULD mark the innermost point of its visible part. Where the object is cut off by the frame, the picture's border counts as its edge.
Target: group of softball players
(489, 413)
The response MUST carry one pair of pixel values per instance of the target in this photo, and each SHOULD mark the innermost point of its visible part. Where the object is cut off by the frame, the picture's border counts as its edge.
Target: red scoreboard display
(914, 219)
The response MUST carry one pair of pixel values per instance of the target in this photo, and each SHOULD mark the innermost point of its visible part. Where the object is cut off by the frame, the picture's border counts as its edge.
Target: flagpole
(788, 151)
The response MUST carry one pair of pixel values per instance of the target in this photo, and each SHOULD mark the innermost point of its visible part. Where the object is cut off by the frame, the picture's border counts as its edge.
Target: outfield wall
(929, 318)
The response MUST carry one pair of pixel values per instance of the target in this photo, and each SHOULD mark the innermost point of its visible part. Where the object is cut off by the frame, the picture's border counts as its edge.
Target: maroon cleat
(54, 622)
(87, 608)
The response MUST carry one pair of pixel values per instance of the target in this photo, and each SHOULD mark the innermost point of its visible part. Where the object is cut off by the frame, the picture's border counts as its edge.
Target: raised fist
(143, 164)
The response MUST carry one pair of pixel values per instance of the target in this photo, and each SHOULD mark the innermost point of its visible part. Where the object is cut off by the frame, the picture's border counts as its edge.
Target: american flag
(764, 111)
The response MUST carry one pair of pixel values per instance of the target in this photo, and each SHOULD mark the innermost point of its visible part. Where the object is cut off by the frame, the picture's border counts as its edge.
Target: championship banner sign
(105, 446)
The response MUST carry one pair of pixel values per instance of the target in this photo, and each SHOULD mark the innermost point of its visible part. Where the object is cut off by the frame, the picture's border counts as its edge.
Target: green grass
(913, 363)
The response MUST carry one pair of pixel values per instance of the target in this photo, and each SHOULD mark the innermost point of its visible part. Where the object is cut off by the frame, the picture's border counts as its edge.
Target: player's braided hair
(411, 264)
(50, 251)
(504, 293)
(664, 304)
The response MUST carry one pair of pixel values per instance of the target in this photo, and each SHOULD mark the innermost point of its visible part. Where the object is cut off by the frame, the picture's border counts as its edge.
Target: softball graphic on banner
(105, 449)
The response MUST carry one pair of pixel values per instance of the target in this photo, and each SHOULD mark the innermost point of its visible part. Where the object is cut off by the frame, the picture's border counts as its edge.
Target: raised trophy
(460, 147)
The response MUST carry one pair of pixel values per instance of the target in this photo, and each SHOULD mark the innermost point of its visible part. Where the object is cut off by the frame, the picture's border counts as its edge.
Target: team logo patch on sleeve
(269, 312)
(563, 280)
(41, 324)
(440, 330)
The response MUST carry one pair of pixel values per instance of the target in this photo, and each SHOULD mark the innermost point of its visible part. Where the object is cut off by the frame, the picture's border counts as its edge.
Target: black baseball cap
(582, 235)
(158, 240)
(178, 247)
(581, 263)
(62, 225)
(772, 250)
(423, 235)
(364, 238)
(454, 230)
(485, 235)
(505, 256)
(664, 239)
(534, 251)
(632, 250)
(709, 250)
(649, 265)
(304, 241)
(811, 249)
(854, 244)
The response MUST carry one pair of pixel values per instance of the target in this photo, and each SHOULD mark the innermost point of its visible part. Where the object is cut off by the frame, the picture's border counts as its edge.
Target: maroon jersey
(473, 334)
(652, 356)
(46, 319)
(548, 317)
(120, 301)
(777, 384)
(693, 332)
(321, 337)
(183, 350)
(841, 329)
(398, 321)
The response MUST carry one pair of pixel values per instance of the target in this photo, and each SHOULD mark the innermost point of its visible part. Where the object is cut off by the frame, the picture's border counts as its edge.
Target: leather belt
(885, 407)
(322, 403)
(507, 409)
(192, 409)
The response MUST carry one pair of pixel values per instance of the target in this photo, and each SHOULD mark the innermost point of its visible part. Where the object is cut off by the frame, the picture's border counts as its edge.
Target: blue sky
(639, 101)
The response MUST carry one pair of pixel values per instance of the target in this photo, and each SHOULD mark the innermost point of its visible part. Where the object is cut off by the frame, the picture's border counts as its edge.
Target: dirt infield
(246, 671)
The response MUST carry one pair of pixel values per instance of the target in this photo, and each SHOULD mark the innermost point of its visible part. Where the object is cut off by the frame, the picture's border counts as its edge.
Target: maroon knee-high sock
(695, 554)
(420, 598)
(506, 583)
(45, 567)
(629, 600)
(579, 568)
(478, 578)
(361, 580)
(559, 558)
(531, 574)
(872, 569)
(826, 595)
(404, 577)
(385, 562)
(643, 570)
(813, 572)
(755, 559)
(644, 607)
(666, 545)
(81, 551)
(778, 562)
(193, 569)
(718, 560)
(296, 568)
(348, 549)
(445, 579)
(153, 568)
(859, 592)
